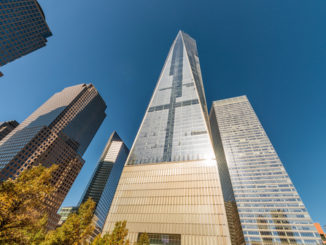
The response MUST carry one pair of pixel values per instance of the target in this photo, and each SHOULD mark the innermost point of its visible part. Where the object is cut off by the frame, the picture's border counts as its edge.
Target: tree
(143, 239)
(22, 206)
(117, 237)
(76, 229)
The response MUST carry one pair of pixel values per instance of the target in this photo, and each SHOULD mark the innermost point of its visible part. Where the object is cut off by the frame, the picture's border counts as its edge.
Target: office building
(7, 127)
(104, 181)
(58, 132)
(23, 29)
(64, 212)
(269, 207)
(170, 186)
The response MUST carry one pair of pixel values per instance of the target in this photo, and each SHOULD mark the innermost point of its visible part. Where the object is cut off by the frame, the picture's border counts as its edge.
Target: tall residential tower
(58, 132)
(170, 185)
(270, 209)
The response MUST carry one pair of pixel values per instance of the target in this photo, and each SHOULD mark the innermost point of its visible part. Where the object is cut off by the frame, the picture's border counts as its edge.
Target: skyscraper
(23, 29)
(104, 181)
(7, 127)
(269, 207)
(64, 212)
(170, 185)
(58, 132)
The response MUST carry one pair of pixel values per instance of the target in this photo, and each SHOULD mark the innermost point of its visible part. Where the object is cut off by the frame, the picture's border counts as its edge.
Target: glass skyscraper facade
(75, 114)
(64, 212)
(268, 205)
(7, 127)
(170, 185)
(23, 29)
(104, 181)
(58, 132)
(175, 125)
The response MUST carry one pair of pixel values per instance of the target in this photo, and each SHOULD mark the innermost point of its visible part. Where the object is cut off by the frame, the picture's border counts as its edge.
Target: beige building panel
(167, 172)
(195, 230)
(171, 198)
(171, 218)
(171, 192)
(171, 178)
(204, 209)
(171, 185)
(203, 240)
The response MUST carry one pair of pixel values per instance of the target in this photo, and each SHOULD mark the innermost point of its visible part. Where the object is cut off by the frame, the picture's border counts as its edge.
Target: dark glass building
(22, 29)
(104, 181)
(7, 127)
(58, 132)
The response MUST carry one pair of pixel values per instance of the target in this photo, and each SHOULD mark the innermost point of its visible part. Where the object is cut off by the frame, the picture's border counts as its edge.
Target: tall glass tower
(104, 181)
(170, 185)
(23, 29)
(269, 207)
(7, 127)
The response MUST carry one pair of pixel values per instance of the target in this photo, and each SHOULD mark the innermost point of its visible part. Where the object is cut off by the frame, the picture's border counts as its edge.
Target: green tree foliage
(22, 206)
(23, 216)
(76, 229)
(143, 239)
(117, 237)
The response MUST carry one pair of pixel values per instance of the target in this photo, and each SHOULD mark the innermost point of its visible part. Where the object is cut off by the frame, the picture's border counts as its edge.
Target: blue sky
(272, 51)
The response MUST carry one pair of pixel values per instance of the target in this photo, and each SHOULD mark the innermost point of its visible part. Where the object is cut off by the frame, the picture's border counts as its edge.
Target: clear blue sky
(272, 51)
